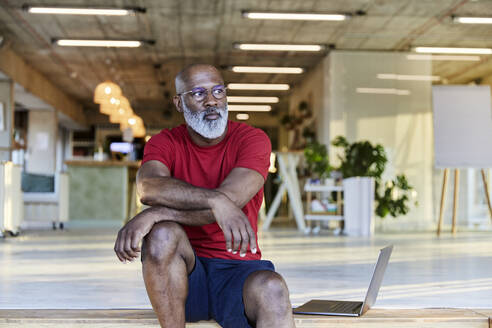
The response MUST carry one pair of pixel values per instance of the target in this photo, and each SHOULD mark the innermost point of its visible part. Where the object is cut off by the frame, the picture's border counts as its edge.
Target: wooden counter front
(103, 163)
(102, 190)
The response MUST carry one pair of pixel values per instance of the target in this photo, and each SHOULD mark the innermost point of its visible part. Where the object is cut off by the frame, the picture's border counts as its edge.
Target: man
(204, 183)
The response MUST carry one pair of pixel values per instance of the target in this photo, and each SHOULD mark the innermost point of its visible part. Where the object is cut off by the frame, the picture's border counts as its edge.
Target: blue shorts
(216, 290)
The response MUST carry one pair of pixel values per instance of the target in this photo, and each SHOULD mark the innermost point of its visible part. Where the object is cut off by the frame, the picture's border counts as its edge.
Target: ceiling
(187, 31)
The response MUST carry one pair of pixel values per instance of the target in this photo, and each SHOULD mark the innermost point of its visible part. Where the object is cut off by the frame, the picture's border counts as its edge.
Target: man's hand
(129, 237)
(234, 224)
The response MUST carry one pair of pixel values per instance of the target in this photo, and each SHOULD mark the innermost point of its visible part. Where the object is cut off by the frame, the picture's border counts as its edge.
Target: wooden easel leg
(308, 210)
(455, 198)
(485, 186)
(443, 198)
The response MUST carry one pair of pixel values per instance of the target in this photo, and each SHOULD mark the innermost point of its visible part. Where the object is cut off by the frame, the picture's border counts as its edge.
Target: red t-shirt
(206, 167)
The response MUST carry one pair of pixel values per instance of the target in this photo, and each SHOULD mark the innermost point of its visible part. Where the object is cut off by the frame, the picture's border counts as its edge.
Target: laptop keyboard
(329, 307)
(343, 307)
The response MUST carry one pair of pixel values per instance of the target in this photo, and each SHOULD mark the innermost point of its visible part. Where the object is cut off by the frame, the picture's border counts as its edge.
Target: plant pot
(359, 206)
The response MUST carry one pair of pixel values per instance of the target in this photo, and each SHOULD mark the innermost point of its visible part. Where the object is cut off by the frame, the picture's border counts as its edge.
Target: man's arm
(157, 187)
(178, 201)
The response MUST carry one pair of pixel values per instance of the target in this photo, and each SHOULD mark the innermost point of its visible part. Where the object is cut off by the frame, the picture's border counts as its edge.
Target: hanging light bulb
(106, 108)
(105, 91)
(139, 132)
(111, 106)
(132, 122)
(122, 112)
(136, 124)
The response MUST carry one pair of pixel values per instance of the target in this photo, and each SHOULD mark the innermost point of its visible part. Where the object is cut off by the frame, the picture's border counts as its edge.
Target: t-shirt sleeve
(160, 148)
(254, 152)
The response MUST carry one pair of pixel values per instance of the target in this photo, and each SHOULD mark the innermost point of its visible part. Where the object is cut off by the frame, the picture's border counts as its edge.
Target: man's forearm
(177, 194)
(186, 217)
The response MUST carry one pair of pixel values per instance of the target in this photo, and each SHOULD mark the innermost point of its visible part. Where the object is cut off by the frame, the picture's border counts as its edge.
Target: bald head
(185, 76)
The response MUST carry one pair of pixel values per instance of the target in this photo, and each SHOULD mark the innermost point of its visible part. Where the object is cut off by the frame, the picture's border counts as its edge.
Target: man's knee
(267, 287)
(162, 242)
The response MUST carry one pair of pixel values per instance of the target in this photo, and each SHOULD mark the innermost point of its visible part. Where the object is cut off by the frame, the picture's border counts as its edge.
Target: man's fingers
(122, 249)
(252, 239)
(116, 243)
(119, 257)
(116, 247)
(244, 242)
(228, 239)
(128, 246)
(237, 240)
(136, 241)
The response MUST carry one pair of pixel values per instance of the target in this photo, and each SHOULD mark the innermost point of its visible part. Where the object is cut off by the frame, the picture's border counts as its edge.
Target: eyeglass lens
(201, 93)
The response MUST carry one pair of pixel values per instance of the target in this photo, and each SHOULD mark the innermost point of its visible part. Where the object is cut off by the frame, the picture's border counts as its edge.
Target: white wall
(402, 124)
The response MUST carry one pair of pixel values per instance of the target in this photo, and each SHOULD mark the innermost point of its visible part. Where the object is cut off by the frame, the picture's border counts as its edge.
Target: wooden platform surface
(375, 318)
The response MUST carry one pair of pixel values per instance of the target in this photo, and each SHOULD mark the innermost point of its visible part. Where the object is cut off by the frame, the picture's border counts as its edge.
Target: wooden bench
(375, 318)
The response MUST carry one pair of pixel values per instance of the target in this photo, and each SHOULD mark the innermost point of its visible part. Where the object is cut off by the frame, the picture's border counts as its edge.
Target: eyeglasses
(200, 94)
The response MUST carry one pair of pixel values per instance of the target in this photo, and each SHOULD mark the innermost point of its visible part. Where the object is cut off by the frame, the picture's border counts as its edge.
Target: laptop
(348, 308)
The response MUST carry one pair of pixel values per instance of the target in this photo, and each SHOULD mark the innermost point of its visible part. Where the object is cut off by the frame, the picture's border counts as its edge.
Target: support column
(6, 118)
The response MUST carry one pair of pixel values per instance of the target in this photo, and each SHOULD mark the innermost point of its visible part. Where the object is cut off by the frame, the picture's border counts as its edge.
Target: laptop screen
(377, 278)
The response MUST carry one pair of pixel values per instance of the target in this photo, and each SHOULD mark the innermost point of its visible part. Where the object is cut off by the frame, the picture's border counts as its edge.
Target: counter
(102, 190)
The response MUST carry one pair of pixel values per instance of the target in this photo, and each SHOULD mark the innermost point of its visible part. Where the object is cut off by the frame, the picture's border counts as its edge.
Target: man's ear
(177, 103)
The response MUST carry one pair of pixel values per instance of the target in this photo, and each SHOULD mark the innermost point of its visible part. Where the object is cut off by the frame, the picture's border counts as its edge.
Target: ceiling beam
(37, 84)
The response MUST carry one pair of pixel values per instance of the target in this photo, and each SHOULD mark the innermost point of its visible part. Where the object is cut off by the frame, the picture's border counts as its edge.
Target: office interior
(300, 71)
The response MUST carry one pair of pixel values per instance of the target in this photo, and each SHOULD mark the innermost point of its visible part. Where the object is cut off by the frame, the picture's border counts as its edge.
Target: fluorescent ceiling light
(257, 86)
(473, 20)
(384, 91)
(279, 47)
(79, 11)
(264, 69)
(443, 57)
(242, 116)
(294, 16)
(98, 43)
(402, 77)
(266, 100)
(440, 50)
(249, 108)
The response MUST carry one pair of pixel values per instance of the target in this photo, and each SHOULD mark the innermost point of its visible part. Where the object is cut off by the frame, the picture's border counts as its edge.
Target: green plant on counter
(362, 159)
(316, 156)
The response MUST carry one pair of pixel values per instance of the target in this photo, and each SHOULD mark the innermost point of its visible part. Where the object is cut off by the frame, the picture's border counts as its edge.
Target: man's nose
(210, 100)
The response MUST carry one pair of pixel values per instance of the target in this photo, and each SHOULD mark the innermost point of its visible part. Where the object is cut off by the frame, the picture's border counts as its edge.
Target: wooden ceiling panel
(191, 31)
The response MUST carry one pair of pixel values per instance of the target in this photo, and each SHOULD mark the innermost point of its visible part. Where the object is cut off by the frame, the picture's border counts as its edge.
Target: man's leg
(167, 258)
(266, 300)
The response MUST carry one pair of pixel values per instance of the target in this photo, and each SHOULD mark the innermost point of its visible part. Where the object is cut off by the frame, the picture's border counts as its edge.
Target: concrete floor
(77, 269)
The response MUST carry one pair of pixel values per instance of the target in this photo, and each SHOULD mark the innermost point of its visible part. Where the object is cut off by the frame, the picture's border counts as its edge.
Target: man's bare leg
(167, 260)
(266, 300)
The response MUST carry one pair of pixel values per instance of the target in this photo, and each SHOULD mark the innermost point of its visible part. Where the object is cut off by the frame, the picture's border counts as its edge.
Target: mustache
(213, 110)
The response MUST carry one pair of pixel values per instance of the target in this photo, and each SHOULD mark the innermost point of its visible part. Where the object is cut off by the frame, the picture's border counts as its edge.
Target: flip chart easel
(287, 164)
(455, 198)
(462, 136)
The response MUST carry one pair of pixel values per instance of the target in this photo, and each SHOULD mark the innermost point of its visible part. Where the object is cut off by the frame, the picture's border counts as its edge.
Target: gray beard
(209, 129)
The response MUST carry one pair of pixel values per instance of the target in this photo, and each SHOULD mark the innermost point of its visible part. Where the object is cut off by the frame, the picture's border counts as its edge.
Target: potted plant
(317, 162)
(362, 159)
